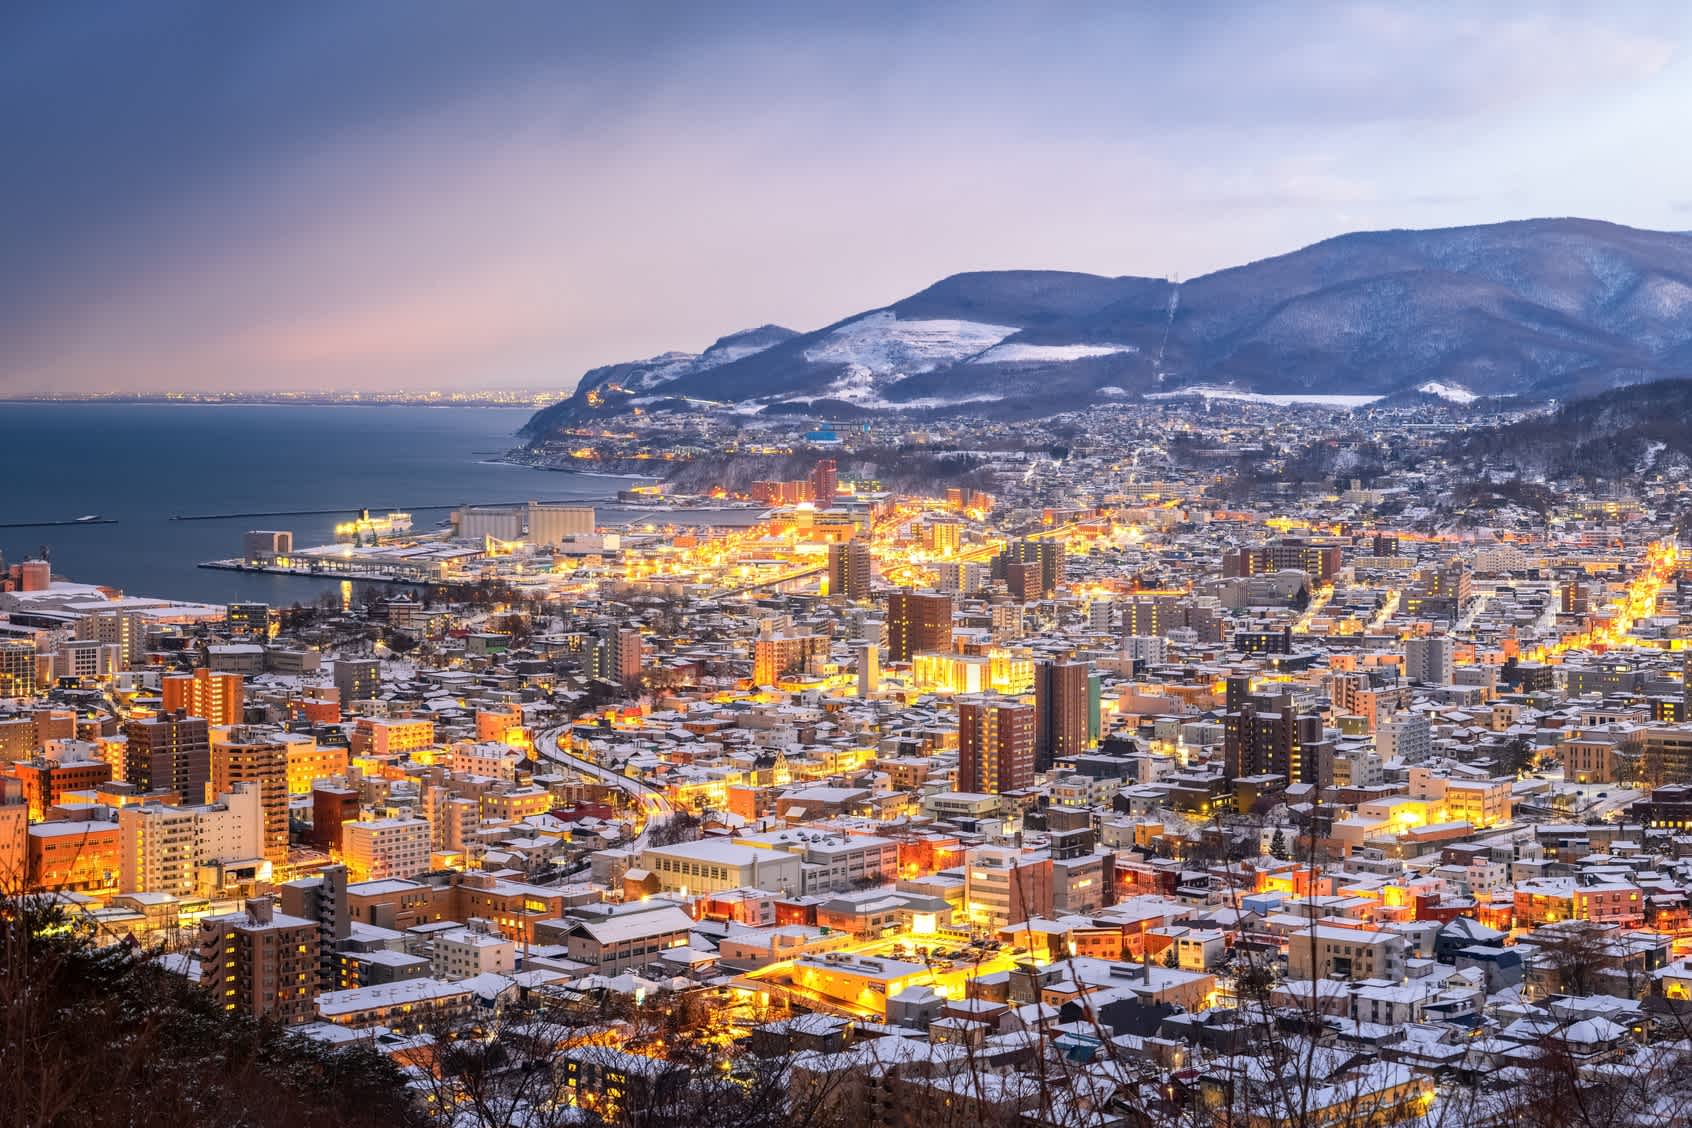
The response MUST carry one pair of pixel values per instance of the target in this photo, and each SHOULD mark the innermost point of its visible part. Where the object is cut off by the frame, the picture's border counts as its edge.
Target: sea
(140, 465)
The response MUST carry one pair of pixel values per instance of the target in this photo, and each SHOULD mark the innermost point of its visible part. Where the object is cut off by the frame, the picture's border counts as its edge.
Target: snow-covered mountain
(1556, 307)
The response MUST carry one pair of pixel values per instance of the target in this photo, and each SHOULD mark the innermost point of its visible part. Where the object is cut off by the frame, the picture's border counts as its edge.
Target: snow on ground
(1016, 353)
(717, 357)
(883, 345)
(1455, 393)
(1276, 400)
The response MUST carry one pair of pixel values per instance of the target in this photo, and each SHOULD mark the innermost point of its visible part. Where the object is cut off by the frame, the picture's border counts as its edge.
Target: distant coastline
(506, 399)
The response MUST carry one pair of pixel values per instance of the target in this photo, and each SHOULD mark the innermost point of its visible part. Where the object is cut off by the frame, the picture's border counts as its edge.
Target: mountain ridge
(1530, 308)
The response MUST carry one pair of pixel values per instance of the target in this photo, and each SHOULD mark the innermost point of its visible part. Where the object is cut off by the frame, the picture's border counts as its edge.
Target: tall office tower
(252, 619)
(1431, 661)
(554, 524)
(917, 620)
(261, 962)
(127, 630)
(995, 744)
(1060, 706)
(616, 656)
(825, 483)
(322, 898)
(211, 694)
(169, 753)
(1267, 735)
(17, 668)
(849, 570)
(1685, 683)
(253, 755)
(358, 679)
(869, 668)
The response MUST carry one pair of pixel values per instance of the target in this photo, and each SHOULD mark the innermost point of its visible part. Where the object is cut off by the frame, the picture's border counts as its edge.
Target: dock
(57, 524)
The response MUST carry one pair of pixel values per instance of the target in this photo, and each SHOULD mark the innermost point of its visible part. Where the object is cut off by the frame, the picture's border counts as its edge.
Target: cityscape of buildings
(1100, 782)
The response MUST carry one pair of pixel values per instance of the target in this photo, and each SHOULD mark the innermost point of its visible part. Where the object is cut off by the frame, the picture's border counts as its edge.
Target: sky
(430, 195)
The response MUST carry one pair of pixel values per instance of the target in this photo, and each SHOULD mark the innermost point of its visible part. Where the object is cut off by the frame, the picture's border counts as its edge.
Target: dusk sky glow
(439, 195)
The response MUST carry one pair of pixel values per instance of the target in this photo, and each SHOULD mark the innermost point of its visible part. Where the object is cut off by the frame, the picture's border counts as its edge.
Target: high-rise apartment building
(1266, 734)
(1431, 661)
(156, 849)
(381, 848)
(1004, 886)
(995, 744)
(322, 898)
(783, 655)
(1407, 736)
(253, 755)
(1047, 559)
(127, 630)
(17, 668)
(161, 846)
(943, 537)
(825, 483)
(249, 619)
(390, 736)
(917, 620)
(869, 667)
(358, 679)
(261, 962)
(169, 753)
(849, 570)
(212, 694)
(1060, 705)
(616, 656)
(1022, 580)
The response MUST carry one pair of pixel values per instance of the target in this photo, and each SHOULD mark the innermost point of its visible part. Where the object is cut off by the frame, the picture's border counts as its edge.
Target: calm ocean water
(142, 463)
